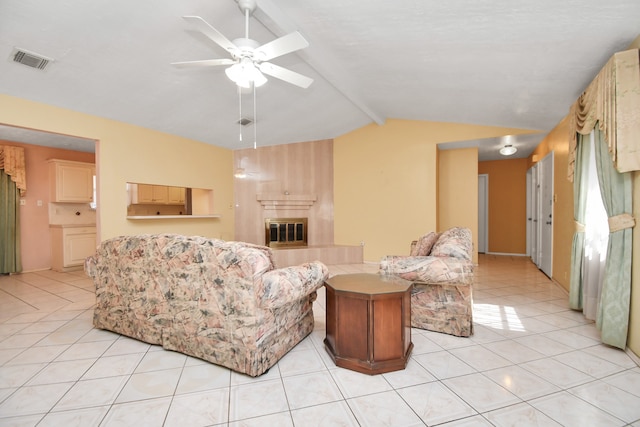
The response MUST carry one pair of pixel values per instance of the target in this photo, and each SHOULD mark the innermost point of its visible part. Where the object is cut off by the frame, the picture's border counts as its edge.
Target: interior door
(546, 214)
(533, 201)
(528, 212)
(483, 214)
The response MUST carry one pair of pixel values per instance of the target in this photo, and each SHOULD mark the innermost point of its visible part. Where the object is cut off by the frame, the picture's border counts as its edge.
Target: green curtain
(616, 190)
(10, 261)
(579, 209)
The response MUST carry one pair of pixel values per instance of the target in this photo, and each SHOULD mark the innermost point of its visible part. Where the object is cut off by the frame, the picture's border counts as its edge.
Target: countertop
(172, 216)
(70, 225)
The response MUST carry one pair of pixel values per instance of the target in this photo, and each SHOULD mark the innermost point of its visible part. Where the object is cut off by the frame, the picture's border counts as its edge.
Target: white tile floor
(531, 362)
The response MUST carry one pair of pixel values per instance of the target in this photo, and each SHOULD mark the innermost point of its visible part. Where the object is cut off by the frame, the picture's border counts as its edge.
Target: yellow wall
(458, 191)
(131, 153)
(507, 207)
(385, 179)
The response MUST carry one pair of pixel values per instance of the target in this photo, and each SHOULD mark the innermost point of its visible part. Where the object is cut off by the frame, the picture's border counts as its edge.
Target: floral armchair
(441, 269)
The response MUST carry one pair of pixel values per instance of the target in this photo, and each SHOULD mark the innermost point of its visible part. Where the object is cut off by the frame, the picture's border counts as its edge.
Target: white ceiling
(492, 62)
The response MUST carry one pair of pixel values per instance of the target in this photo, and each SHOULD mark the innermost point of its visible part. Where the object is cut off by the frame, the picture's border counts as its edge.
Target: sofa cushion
(454, 242)
(424, 244)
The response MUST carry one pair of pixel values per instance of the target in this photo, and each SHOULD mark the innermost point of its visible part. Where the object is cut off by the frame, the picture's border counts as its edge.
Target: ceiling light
(245, 74)
(240, 173)
(508, 150)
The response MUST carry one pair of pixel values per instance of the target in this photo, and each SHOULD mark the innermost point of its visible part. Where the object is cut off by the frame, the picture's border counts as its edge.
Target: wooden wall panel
(297, 169)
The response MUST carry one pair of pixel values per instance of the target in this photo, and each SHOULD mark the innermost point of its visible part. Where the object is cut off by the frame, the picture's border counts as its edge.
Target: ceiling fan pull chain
(255, 120)
(240, 111)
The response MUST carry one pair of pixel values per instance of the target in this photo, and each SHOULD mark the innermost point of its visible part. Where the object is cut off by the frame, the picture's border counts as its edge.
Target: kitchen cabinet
(71, 245)
(146, 193)
(175, 195)
(71, 182)
(157, 194)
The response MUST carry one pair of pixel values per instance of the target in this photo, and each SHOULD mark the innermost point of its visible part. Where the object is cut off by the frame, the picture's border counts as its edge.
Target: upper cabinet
(71, 182)
(175, 195)
(156, 194)
(146, 193)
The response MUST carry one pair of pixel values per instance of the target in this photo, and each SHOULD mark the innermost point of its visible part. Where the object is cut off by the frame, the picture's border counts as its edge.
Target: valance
(612, 100)
(12, 162)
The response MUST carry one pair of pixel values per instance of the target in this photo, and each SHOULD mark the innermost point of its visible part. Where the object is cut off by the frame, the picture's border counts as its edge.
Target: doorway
(35, 210)
(483, 213)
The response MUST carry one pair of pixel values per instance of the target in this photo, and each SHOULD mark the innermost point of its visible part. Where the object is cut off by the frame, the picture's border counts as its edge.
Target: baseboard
(504, 254)
(34, 270)
(633, 356)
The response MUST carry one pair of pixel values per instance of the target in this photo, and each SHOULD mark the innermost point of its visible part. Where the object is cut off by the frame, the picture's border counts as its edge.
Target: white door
(533, 202)
(528, 210)
(546, 214)
(483, 214)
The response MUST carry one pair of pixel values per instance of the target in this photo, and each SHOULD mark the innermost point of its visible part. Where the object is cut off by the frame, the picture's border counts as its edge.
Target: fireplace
(285, 232)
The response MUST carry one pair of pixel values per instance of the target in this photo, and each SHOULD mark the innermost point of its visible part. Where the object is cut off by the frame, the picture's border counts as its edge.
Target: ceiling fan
(248, 62)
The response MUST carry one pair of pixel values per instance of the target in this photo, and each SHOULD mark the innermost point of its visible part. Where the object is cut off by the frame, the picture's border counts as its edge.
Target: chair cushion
(455, 242)
(424, 244)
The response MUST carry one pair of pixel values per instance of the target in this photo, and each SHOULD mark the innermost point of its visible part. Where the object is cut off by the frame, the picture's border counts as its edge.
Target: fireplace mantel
(286, 201)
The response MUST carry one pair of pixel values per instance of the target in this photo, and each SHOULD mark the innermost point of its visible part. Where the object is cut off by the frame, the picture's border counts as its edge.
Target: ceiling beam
(316, 56)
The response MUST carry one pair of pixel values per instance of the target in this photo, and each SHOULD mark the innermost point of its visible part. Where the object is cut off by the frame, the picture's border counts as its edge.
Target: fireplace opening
(285, 232)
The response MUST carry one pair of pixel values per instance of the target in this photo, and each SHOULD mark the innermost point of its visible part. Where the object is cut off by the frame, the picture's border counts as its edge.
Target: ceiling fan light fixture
(508, 150)
(245, 74)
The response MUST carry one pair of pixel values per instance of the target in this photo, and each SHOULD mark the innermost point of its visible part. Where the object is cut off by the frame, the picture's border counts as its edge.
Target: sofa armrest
(90, 266)
(284, 285)
(428, 269)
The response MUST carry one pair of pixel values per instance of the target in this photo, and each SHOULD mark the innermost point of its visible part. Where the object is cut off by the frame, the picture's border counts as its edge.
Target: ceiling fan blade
(203, 63)
(281, 46)
(212, 33)
(284, 74)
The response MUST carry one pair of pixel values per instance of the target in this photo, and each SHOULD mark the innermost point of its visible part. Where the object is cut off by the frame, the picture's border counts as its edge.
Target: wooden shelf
(286, 201)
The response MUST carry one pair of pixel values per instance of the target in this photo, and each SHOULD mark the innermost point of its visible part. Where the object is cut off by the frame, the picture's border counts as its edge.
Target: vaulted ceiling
(491, 62)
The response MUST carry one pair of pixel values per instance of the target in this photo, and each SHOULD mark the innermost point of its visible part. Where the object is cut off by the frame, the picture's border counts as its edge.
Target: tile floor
(531, 362)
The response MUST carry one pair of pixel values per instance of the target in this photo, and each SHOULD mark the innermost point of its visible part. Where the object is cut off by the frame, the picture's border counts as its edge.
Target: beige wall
(131, 153)
(386, 182)
(458, 191)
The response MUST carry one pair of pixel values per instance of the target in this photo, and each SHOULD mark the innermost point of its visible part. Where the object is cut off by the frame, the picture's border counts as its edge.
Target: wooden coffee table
(368, 322)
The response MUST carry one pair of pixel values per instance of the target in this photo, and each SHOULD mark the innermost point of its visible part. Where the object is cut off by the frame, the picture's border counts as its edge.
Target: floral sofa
(220, 301)
(441, 269)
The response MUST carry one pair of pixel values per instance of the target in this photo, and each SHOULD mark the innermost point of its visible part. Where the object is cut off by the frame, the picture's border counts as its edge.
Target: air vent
(244, 121)
(30, 59)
